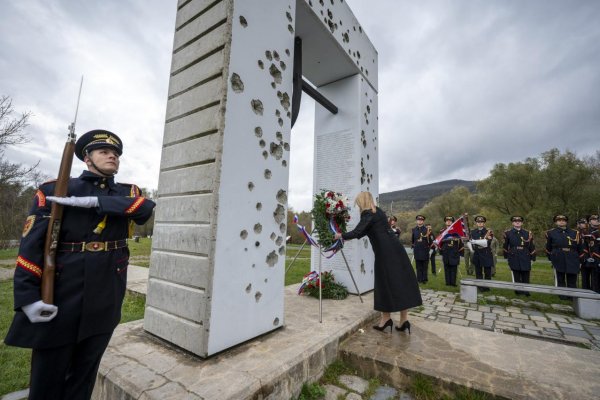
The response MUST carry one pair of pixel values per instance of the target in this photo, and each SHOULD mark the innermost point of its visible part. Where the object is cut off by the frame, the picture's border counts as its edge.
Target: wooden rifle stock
(56, 212)
(54, 224)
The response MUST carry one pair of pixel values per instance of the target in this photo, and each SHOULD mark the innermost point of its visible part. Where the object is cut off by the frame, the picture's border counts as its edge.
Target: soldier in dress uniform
(519, 249)
(594, 223)
(591, 244)
(393, 221)
(69, 337)
(421, 242)
(564, 250)
(433, 251)
(482, 257)
(451, 249)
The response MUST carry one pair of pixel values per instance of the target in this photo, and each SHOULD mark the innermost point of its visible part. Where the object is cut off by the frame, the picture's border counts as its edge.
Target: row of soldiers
(569, 250)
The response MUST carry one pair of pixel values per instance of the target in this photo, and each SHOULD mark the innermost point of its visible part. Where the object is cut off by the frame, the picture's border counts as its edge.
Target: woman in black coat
(396, 287)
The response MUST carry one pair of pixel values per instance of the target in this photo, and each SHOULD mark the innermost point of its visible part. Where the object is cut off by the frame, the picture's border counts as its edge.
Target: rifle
(56, 213)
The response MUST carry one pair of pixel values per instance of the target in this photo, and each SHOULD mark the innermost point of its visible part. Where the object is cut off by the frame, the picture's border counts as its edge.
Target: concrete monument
(218, 256)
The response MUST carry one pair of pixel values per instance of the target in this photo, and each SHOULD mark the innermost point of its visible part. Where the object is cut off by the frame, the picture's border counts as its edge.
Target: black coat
(396, 286)
(421, 243)
(519, 249)
(564, 249)
(482, 255)
(89, 286)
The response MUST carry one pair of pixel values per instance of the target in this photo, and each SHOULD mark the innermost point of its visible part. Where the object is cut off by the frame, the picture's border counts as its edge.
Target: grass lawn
(10, 253)
(15, 362)
(301, 266)
(141, 248)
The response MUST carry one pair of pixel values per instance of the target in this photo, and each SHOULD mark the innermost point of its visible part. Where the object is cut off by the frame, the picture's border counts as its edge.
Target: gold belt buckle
(95, 246)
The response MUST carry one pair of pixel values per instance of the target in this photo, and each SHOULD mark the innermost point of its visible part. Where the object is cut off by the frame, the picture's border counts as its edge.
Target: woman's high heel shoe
(404, 326)
(389, 323)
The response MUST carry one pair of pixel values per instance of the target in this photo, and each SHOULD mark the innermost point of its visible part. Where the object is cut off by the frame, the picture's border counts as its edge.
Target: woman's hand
(337, 236)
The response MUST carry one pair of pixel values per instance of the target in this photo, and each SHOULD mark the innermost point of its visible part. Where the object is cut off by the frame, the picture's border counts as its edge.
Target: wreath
(330, 211)
(330, 289)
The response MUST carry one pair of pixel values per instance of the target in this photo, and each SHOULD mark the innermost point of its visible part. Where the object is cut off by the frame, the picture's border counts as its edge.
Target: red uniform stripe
(41, 198)
(29, 266)
(136, 204)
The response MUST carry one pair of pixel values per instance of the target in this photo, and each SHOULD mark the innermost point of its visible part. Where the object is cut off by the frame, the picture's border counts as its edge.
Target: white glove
(34, 311)
(73, 201)
(479, 242)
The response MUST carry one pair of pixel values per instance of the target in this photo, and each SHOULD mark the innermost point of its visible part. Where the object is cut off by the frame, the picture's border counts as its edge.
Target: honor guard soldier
(564, 250)
(393, 221)
(481, 239)
(69, 337)
(421, 242)
(433, 251)
(451, 249)
(519, 249)
(594, 223)
(591, 250)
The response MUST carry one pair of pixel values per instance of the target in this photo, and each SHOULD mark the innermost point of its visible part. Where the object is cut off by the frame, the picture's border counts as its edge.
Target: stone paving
(555, 322)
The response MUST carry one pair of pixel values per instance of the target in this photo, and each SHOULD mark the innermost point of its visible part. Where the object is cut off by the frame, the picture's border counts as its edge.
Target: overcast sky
(463, 84)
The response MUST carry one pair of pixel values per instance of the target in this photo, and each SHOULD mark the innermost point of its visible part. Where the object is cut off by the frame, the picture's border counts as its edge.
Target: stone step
(502, 365)
(137, 365)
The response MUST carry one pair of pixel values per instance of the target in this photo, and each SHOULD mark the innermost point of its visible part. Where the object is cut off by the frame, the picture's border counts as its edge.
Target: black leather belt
(563, 248)
(78, 247)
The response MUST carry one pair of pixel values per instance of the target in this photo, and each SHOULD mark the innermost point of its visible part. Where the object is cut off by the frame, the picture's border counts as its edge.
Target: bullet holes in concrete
(236, 83)
(257, 106)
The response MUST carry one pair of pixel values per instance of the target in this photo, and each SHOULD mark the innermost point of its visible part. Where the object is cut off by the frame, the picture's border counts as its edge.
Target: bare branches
(11, 129)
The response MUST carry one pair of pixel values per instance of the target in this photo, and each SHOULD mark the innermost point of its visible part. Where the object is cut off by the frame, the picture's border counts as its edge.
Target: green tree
(541, 187)
(304, 218)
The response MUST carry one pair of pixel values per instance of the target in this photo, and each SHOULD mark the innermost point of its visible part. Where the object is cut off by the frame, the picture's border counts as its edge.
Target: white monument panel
(340, 165)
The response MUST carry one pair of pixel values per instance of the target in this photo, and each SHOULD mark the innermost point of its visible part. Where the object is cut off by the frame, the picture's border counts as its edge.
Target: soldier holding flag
(451, 249)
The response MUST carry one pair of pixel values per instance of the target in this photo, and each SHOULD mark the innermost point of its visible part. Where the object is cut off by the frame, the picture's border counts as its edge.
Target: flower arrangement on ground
(329, 208)
(330, 289)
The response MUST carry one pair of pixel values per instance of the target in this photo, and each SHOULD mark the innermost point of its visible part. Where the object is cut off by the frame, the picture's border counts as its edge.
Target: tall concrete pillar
(218, 252)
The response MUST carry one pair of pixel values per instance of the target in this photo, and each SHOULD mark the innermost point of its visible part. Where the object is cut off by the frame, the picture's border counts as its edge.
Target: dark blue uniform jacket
(451, 250)
(564, 249)
(421, 243)
(89, 286)
(519, 249)
(482, 255)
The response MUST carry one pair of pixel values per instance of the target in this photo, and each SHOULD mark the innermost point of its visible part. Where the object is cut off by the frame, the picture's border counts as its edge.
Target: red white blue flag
(457, 229)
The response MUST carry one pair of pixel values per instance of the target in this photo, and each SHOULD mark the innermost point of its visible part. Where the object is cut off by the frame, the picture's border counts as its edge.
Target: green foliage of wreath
(330, 290)
(321, 217)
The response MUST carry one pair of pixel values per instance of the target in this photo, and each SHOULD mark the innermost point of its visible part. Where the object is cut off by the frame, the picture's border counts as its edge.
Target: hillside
(416, 197)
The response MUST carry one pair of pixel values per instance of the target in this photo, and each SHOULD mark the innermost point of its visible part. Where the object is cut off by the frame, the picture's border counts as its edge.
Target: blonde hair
(364, 201)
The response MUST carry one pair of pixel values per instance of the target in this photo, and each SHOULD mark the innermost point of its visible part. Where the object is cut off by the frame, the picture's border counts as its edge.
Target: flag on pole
(457, 229)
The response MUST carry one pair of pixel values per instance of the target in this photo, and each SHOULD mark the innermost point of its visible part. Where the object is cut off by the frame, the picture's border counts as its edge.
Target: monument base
(137, 365)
